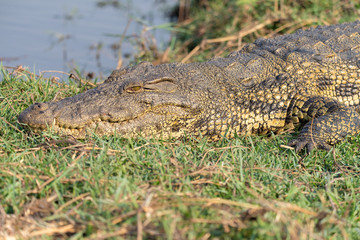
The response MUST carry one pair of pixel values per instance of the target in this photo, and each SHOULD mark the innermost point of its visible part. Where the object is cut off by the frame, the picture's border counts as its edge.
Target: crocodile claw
(309, 144)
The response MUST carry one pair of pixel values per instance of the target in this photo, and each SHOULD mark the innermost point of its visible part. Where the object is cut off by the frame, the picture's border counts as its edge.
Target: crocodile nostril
(40, 106)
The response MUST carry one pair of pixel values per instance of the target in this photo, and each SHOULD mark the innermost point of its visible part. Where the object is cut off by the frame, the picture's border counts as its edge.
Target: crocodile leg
(329, 122)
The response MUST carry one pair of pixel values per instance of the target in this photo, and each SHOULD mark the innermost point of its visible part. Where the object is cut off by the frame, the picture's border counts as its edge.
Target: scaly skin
(309, 78)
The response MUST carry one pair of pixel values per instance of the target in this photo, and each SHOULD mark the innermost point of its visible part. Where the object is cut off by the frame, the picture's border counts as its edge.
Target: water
(59, 35)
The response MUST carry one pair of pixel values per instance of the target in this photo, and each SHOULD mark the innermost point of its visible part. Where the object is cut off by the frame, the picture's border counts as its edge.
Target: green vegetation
(218, 27)
(252, 188)
(102, 187)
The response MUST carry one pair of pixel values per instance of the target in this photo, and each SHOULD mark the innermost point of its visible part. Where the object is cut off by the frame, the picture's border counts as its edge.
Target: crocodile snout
(36, 115)
(39, 107)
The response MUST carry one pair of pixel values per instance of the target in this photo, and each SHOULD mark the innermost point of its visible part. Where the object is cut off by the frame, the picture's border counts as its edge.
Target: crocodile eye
(134, 89)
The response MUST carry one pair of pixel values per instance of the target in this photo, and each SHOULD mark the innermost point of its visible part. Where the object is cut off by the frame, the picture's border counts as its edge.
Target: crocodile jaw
(159, 122)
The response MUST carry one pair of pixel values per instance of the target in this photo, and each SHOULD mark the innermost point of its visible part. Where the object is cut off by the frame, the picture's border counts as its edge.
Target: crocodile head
(146, 99)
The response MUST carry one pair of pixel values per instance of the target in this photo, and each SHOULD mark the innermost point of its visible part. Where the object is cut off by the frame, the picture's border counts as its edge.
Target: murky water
(58, 35)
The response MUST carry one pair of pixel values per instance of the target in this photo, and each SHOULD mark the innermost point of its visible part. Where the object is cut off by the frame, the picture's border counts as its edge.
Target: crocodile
(308, 79)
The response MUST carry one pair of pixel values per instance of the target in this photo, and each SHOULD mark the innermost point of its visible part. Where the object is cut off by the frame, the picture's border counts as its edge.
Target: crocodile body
(308, 78)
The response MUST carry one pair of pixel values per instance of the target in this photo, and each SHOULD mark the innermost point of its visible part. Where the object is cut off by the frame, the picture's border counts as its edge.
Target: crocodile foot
(308, 143)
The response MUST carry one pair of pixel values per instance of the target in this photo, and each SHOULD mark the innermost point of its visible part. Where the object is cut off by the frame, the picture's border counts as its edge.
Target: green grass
(54, 186)
(99, 188)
